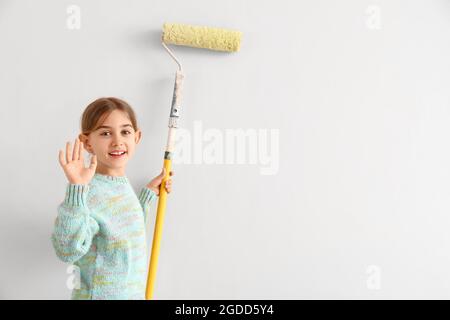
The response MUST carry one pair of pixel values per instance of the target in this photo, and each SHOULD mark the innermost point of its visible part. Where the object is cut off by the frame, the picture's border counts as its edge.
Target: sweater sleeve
(146, 198)
(74, 227)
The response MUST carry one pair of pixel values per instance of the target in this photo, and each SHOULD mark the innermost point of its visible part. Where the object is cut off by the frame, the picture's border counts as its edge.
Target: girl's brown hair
(97, 111)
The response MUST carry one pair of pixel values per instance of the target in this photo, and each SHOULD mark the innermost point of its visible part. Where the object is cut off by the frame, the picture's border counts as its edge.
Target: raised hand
(73, 164)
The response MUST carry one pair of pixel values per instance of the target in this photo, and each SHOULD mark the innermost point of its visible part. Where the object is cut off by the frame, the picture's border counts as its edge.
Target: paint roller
(218, 39)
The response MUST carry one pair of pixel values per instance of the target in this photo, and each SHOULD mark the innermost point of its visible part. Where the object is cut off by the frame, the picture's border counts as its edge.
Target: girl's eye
(104, 133)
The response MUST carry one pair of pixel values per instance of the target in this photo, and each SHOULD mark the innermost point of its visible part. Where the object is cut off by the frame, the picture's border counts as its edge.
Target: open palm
(73, 164)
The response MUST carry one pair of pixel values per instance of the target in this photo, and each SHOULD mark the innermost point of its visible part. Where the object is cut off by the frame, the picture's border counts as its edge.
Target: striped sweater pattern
(100, 229)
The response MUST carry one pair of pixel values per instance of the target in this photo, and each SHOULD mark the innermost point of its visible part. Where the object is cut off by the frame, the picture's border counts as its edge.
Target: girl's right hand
(73, 165)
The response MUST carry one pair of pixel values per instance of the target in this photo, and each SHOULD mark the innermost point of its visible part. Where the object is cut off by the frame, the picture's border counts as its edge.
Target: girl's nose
(117, 140)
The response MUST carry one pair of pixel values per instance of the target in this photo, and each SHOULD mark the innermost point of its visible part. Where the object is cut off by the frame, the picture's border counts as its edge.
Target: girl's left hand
(155, 184)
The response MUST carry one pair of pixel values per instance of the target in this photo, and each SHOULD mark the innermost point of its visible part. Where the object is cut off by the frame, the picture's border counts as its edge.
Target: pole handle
(157, 234)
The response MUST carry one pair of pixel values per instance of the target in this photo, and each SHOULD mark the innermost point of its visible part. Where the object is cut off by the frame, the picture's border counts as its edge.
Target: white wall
(357, 91)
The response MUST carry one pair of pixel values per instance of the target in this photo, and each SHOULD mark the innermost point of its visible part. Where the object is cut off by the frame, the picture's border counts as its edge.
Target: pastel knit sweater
(100, 228)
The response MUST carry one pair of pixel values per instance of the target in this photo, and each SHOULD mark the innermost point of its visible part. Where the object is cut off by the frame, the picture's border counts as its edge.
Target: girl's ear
(138, 136)
(84, 138)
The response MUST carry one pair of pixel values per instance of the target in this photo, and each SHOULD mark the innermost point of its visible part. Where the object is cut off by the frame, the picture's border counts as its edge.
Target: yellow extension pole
(157, 234)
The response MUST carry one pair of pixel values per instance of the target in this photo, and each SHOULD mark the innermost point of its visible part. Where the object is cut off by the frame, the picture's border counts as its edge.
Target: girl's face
(116, 133)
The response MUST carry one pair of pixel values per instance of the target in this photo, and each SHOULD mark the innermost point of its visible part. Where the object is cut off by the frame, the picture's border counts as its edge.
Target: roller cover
(201, 37)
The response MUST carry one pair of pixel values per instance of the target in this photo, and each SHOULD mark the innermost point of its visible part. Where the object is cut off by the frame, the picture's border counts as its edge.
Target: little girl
(100, 226)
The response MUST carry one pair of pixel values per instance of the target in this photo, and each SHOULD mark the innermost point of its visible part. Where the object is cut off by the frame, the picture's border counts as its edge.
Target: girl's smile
(117, 154)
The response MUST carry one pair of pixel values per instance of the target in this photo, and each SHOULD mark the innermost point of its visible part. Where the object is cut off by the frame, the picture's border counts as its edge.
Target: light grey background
(360, 101)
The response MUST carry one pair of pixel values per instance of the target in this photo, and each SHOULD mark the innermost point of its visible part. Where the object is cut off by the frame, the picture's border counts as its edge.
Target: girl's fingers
(93, 162)
(68, 153)
(62, 161)
(81, 151)
(76, 150)
(161, 175)
(169, 185)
